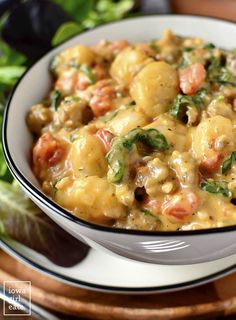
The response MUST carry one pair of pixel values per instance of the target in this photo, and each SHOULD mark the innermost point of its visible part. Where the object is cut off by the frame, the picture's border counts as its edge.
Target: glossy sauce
(137, 136)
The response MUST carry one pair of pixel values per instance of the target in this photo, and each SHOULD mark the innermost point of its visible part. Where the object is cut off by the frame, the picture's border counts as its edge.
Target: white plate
(104, 272)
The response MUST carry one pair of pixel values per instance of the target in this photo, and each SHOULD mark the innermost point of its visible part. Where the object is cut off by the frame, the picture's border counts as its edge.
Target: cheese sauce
(142, 135)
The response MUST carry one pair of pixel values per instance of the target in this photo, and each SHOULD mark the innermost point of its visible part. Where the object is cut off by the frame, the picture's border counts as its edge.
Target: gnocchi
(92, 197)
(154, 87)
(140, 136)
(127, 64)
(87, 156)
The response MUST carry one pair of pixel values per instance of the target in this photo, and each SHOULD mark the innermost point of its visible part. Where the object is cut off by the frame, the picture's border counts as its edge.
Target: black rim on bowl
(40, 196)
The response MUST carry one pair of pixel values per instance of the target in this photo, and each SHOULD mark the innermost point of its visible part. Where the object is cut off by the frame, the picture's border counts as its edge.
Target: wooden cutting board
(214, 299)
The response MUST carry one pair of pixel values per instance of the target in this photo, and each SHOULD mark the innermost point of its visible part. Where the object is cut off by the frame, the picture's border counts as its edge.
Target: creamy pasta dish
(140, 135)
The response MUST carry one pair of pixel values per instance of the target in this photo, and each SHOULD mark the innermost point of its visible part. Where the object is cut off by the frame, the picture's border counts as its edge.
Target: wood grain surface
(214, 299)
(224, 9)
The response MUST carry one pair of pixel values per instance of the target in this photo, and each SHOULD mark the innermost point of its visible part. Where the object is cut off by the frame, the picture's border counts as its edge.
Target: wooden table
(215, 299)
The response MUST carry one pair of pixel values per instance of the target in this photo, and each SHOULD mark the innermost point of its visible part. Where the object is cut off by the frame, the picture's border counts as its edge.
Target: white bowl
(181, 247)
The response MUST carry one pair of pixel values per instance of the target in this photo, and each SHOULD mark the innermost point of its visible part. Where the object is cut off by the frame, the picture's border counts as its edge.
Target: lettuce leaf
(23, 221)
(10, 74)
(78, 9)
(4, 171)
(9, 56)
(88, 14)
(66, 31)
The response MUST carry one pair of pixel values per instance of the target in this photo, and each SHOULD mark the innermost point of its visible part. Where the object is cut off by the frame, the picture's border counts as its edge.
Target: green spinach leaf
(55, 100)
(149, 213)
(217, 72)
(209, 46)
(218, 187)
(121, 146)
(182, 103)
(227, 164)
(88, 71)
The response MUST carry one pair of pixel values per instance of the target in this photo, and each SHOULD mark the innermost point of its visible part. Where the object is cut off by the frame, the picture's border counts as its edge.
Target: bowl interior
(36, 83)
